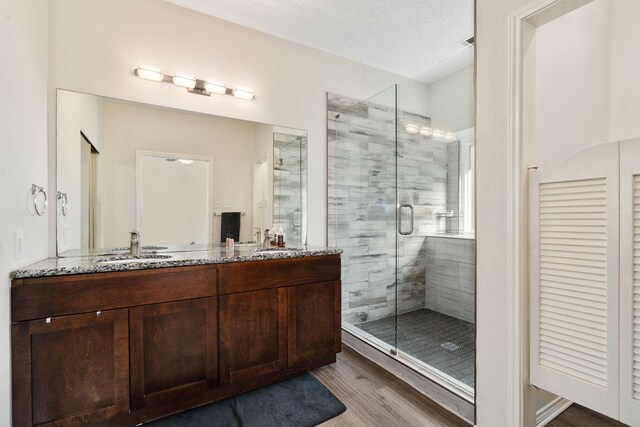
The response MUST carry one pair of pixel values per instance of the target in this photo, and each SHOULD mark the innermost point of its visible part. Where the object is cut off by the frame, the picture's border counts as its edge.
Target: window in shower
(398, 163)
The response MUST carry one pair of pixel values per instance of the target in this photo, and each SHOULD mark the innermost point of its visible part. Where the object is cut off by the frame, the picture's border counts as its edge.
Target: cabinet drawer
(82, 293)
(267, 274)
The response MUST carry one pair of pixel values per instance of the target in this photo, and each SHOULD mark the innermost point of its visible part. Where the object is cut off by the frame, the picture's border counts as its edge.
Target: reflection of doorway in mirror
(88, 154)
(261, 194)
(173, 198)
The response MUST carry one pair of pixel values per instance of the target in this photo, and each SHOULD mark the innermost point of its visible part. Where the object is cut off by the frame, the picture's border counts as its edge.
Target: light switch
(19, 244)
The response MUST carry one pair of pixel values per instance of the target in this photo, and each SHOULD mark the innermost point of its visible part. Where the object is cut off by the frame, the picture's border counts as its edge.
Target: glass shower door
(435, 270)
(362, 212)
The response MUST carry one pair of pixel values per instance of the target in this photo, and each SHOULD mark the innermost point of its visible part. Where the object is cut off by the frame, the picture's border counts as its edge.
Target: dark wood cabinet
(253, 334)
(313, 323)
(166, 339)
(174, 350)
(71, 370)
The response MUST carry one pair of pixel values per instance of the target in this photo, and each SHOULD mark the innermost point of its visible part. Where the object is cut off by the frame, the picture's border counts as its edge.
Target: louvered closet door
(630, 282)
(574, 278)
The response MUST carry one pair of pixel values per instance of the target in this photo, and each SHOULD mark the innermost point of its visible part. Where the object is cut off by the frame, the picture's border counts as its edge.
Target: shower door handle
(403, 206)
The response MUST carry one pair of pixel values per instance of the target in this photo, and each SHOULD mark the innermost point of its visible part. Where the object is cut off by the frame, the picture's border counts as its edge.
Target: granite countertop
(120, 262)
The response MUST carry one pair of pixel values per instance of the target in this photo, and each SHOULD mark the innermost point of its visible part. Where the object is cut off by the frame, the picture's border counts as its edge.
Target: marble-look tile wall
(362, 202)
(450, 276)
(453, 186)
(289, 173)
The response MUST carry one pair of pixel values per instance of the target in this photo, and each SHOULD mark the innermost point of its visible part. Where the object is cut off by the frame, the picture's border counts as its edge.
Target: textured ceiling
(406, 37)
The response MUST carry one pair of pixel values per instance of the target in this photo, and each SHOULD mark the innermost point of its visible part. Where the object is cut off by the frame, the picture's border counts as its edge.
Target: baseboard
(551, 410)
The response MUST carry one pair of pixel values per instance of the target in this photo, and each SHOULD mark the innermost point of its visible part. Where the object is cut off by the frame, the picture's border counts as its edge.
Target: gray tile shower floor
(432, 337)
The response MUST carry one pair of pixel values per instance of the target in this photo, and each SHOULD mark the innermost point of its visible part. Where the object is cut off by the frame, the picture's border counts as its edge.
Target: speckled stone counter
(109, 262)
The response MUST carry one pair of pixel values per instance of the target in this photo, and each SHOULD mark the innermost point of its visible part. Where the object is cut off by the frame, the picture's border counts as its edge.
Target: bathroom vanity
(125, 343)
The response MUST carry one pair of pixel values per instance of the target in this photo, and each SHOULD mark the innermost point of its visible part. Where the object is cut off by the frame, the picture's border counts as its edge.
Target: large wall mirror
(184, 180)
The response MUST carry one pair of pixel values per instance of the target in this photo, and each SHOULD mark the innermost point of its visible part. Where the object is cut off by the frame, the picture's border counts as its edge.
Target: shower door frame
(409, 365)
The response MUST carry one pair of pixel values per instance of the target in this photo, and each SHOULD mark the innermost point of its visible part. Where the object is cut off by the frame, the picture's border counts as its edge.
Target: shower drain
(450, 346)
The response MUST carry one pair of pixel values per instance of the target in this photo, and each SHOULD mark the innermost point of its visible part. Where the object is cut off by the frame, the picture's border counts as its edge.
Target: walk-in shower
(400, 205)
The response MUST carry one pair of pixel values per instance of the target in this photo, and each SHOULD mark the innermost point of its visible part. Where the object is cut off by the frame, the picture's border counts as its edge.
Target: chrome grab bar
(405, 205)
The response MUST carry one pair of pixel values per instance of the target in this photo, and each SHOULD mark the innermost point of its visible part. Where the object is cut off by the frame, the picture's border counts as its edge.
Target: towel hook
(65, 202)
(35, 191)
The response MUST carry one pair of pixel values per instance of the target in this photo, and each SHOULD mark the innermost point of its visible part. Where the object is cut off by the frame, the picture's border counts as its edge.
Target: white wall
(625, 70)
(129, 127)
(452, 104)
(492, 49)
(76, 112)
(572, 83)
(23, 154)
(289, 80)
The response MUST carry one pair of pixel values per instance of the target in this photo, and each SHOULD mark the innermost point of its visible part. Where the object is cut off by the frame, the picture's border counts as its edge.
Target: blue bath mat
(297, 402)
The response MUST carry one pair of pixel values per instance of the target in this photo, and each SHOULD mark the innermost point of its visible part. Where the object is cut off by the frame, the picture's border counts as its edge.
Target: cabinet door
(174, 350)
(71, 369)
(313, 323)
(253, 334)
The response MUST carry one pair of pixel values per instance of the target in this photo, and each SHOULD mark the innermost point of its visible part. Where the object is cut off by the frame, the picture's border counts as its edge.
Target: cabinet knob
(99, 313)
(48, 320)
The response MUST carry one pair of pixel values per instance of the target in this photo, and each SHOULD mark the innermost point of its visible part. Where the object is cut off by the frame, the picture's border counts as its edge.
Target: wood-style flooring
(375, 398)
(579, 416)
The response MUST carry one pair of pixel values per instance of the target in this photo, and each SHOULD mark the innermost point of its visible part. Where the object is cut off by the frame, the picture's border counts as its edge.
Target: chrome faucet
(134, 245)
(266, 243)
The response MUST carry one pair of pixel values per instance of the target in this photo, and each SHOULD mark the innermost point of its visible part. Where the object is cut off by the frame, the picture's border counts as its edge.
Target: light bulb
(218, 88)
(149, 74)
(185, 81)
(426, 132)
(437, 134)
(243, 93)
(412, 129)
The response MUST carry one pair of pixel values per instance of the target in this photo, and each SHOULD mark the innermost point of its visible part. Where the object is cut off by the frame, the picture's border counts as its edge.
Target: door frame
(520, 408)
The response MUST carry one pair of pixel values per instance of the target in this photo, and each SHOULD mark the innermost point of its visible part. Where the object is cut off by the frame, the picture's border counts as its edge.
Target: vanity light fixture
(218, 88)
(412, 129)
(437, 134)
(243, 93)
(149, 73)
(183, 80)
(426, 132)
(193, 84)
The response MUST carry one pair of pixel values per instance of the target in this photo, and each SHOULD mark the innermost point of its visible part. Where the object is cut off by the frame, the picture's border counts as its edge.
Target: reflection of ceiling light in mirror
(243, 93)
(184, 81)
(449, 136)
(437, 134)
(185, 161)
(412, 129)
(426, 131)
(149, 73)
(218, 88)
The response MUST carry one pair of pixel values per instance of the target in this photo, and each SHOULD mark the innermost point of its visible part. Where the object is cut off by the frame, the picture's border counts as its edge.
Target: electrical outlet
(217, 203)
(227, 204)
(19, 244)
